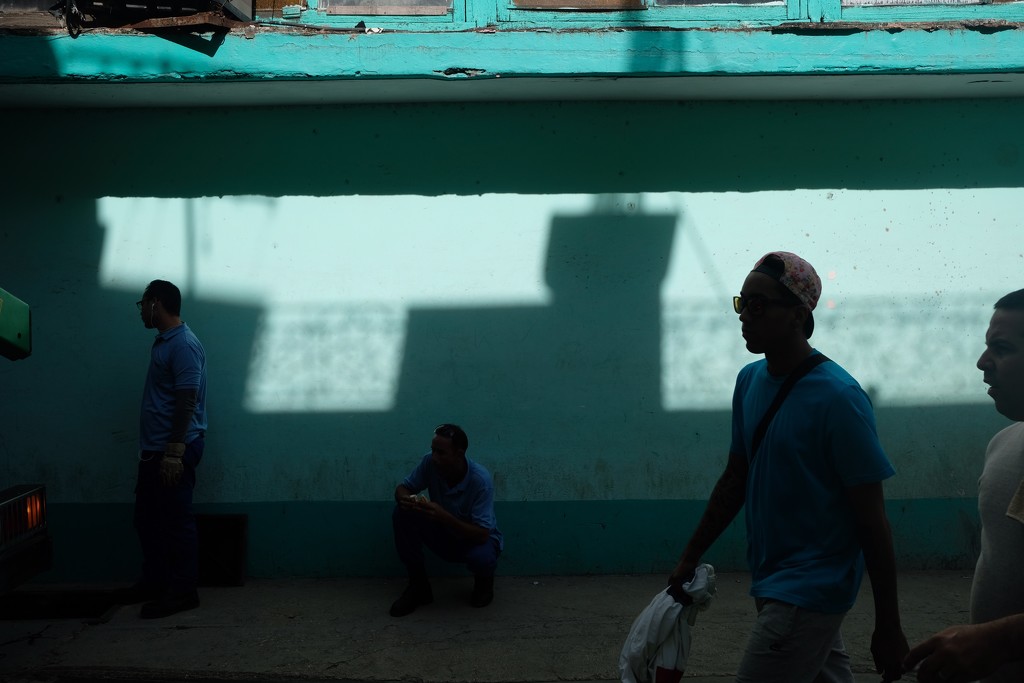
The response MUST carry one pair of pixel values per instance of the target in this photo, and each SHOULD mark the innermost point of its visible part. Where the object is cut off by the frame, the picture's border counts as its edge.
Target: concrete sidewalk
(539, 629)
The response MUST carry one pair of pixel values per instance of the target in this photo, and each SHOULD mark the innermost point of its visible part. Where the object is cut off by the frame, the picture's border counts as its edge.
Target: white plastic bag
(658, 644)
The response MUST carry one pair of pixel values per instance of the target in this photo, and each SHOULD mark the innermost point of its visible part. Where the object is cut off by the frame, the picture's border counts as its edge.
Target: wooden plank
(392, 9)
(590, 5)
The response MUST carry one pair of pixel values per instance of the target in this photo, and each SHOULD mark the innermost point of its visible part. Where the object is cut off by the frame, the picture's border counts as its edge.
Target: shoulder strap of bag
(812, 361)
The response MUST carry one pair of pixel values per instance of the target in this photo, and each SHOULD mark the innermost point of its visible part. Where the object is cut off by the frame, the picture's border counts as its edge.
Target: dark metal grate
(22, 513)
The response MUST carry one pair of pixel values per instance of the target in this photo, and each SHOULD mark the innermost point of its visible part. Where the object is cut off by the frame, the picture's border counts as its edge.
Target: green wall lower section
(96, 542)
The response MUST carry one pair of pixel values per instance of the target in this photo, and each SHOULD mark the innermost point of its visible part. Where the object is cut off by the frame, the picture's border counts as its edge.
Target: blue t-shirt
(471, 500)
(177, 361)
(802, 545)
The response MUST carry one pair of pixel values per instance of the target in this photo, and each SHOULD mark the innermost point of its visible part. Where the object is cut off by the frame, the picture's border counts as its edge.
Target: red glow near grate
(22, 512)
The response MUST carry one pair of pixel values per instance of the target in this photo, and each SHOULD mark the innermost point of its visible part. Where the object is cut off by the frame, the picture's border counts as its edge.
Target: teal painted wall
(487, 39)
(520, 50)
(557, 277)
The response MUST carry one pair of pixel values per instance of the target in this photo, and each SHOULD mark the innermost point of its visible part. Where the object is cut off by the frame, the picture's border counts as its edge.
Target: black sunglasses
(757, 303)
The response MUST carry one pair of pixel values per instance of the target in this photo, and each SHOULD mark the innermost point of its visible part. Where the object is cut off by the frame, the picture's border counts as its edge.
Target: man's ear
(800, 316)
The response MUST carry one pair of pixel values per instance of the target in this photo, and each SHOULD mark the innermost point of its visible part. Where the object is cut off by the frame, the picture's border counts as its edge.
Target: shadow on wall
(562, 402)
(555, 399)
(555, 373)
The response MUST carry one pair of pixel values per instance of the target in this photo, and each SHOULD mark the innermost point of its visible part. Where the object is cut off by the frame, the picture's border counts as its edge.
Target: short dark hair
(455, 433)
(166, 293)
(1014, 301)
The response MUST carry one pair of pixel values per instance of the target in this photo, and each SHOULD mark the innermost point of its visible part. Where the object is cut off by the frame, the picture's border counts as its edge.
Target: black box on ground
(223, 545)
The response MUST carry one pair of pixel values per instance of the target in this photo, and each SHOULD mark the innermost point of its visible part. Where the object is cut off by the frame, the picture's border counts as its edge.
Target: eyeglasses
(756, 303)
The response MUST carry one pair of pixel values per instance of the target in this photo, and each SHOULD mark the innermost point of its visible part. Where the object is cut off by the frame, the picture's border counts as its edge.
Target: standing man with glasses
(456, 522)
(172, 428)
(991, 647)
(812, 487)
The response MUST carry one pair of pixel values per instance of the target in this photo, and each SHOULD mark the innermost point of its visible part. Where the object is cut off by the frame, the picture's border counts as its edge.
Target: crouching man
(455, 520)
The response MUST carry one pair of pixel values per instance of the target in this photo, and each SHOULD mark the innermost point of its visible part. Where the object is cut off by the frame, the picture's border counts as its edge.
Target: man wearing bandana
(812, 489)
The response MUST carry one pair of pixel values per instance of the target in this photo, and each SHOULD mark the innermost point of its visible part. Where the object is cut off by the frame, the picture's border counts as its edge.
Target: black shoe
(483, 591)
(413, 596)
(166, 606)
(140, 592)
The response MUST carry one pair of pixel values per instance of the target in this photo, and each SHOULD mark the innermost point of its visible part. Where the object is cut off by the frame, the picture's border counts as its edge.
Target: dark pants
(166, 525)
(413, 531)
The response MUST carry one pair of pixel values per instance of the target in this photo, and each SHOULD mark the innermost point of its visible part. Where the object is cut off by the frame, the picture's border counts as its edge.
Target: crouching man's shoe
(166, 606)
(483, 591)
(416, 593)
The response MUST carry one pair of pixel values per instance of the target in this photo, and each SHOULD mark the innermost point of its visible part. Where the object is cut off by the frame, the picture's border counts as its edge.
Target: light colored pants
(790, 644)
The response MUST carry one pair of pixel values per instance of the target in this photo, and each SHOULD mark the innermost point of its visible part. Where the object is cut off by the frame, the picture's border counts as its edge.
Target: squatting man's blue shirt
(471, 500)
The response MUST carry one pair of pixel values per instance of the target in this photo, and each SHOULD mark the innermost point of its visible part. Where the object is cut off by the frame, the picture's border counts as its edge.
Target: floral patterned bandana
(798, 276)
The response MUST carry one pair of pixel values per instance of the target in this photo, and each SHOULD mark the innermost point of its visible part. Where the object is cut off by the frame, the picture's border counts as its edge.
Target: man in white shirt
(991, 647)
